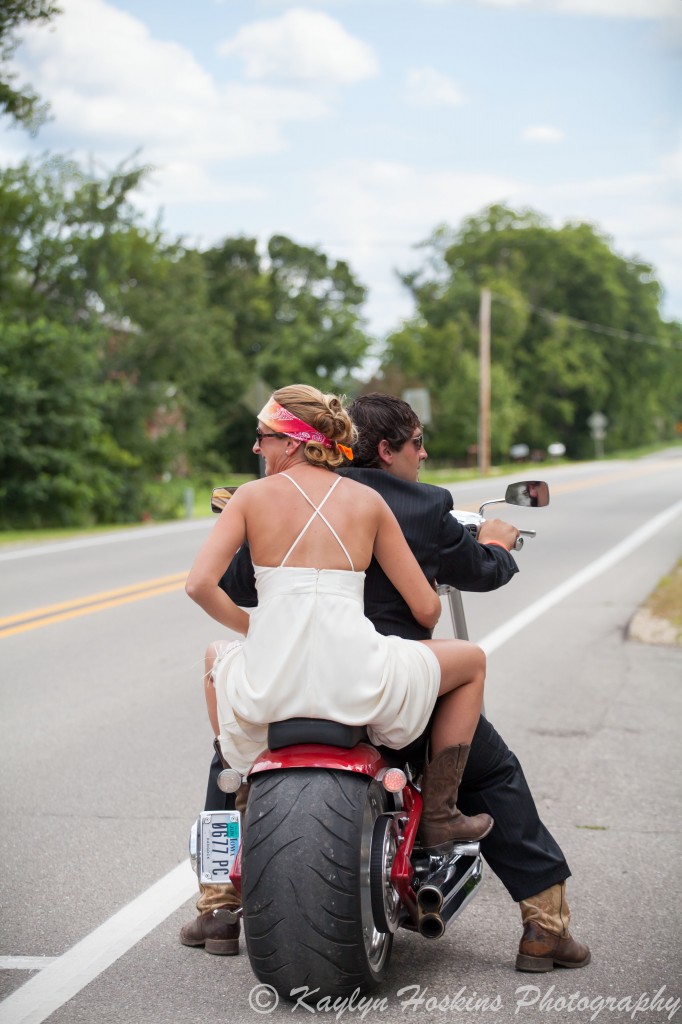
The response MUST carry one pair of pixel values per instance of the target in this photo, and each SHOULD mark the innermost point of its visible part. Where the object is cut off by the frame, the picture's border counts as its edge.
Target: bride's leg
(462, 667)
(457, 712)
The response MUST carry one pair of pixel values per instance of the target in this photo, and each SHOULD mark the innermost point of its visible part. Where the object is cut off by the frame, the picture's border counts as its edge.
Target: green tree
(438, 349)
(173, 340)
(317, 330)
(552, 290)
(239, 297)
(20, 102)
(71, 243)
(75, 264)
(185, 359)
(294, 315)
(59, 464)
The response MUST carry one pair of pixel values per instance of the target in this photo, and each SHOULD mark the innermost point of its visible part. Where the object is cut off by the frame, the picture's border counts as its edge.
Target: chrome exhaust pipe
(448, 889)
(431, 926)
(429, 899)
(460, 894)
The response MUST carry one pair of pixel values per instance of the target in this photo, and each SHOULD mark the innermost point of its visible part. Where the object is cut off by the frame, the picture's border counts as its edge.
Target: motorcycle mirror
(220, 497)
(528, 493)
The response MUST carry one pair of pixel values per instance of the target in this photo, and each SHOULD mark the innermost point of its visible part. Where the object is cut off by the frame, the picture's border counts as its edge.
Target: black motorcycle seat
(314, 730)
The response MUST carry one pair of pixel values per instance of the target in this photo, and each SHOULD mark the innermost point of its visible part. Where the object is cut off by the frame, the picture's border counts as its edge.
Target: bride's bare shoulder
(362, 493)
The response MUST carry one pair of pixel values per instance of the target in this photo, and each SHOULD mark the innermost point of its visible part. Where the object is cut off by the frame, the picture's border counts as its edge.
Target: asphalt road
(105, 749)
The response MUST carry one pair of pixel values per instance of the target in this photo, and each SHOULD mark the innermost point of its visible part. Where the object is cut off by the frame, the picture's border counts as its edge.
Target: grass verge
(659, 619)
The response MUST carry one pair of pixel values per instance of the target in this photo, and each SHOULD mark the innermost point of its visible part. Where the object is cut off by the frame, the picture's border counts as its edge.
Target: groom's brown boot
(546, 942)
(216, 927)
(217, 924)
(442, 822)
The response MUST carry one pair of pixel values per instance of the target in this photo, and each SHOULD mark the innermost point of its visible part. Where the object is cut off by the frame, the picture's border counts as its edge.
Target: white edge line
(514, 625)
(136, 533)
(60, 981)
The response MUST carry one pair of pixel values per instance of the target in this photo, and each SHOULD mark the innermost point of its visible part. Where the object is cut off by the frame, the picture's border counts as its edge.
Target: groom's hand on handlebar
(497, 531)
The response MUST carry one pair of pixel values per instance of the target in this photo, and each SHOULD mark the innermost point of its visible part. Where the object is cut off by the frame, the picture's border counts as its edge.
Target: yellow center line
(38, 617)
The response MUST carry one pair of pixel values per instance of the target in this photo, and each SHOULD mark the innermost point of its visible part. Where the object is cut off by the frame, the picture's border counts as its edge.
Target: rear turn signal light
(394, 780)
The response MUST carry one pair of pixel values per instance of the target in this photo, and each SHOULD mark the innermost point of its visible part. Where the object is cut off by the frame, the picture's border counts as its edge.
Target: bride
(308, 650)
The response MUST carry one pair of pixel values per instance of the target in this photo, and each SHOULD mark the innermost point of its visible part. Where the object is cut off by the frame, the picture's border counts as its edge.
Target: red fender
(363, 758)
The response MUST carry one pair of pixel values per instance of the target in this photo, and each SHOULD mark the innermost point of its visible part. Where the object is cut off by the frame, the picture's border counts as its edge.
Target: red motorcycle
(329, 865)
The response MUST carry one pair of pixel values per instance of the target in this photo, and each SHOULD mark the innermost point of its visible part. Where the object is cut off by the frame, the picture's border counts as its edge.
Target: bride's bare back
(270, 513)
(278, 512)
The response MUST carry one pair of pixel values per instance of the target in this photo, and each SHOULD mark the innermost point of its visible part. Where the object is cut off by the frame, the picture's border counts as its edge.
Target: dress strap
(317, 512)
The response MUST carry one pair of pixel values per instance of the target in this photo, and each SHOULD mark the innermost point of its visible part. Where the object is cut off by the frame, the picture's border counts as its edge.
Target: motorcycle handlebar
(522, 534)
(474, 521)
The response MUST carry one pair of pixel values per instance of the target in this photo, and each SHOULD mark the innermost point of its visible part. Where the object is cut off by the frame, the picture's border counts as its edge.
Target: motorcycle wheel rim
(377, 944)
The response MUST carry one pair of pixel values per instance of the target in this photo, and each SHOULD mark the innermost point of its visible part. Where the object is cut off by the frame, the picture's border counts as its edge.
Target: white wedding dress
(311, 653)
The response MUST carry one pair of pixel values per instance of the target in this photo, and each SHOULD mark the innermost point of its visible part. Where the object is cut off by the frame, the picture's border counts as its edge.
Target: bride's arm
(216, 553)
(395, 557)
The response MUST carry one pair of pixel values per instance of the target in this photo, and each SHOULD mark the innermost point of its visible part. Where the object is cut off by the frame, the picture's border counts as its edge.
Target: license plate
(217, 846)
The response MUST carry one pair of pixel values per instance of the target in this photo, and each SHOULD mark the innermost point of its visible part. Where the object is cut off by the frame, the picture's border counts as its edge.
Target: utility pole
(484, 382)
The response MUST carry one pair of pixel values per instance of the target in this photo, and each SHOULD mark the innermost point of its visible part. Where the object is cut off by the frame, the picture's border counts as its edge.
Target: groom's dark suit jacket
(445, 550)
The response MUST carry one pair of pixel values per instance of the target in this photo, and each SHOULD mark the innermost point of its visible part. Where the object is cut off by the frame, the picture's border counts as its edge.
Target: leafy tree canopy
(20, 102)
(554, 292)
(164, 346)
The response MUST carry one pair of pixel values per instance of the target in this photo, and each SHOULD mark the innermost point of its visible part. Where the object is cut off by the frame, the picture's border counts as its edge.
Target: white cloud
(426, 87)
(383, 203)
(114, 89)
(302, 45)
(374, 213)
(96, 46)
(12, 147)
(512, 3)
(542, 133)
(652, 9)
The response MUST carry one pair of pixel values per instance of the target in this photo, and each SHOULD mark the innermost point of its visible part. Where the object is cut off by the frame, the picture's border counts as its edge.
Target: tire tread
(301, 881)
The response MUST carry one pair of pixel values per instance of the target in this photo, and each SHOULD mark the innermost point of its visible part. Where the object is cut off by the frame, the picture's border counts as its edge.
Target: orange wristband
(497, 543)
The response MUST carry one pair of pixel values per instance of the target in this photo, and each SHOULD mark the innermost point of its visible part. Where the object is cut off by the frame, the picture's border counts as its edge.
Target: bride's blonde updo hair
(324, 413)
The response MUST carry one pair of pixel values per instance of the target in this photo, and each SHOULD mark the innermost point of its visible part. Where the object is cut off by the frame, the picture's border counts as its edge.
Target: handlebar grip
(519, 539)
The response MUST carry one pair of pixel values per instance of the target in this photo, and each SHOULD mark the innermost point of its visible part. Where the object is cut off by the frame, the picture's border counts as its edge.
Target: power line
(613, 332)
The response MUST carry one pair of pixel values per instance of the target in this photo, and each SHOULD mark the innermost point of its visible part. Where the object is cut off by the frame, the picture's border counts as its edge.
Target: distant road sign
(597, 422)
(420, 400)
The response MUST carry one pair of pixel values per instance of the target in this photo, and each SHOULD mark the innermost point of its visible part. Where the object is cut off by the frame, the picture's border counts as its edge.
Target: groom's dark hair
(380, 418)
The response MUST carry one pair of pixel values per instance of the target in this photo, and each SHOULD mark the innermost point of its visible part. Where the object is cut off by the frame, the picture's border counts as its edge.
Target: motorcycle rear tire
(305, 882)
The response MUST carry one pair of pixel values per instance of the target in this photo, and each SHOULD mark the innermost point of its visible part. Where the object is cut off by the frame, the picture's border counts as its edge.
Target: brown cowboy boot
(546, 942)
(216, 927)
(441, 821)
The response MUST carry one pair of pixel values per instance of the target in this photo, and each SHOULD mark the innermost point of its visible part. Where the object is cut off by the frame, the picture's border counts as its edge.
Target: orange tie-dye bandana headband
(282, 421)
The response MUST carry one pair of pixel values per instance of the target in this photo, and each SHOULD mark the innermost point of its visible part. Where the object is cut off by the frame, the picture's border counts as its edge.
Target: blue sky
(360, 125)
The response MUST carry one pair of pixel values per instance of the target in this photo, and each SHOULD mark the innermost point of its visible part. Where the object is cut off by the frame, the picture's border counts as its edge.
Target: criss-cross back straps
(317, 512)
